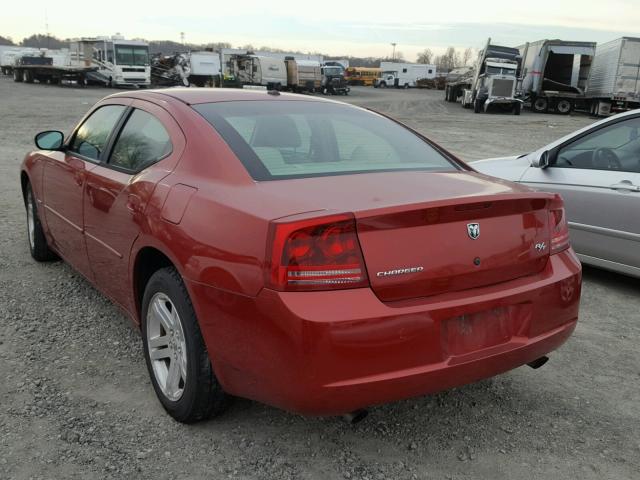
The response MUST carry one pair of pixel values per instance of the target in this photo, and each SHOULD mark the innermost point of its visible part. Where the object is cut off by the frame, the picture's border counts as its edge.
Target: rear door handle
(625, 185)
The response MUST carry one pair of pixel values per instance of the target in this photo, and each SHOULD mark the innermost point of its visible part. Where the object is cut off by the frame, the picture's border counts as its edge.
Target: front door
(65, 176)
(598, 175)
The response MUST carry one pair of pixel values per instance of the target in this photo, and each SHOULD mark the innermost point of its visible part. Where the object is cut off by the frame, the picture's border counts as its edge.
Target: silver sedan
(597, 172)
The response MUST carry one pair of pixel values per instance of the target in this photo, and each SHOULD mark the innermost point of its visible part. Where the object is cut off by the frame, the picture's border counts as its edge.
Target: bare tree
(466, 56)
(426, 56)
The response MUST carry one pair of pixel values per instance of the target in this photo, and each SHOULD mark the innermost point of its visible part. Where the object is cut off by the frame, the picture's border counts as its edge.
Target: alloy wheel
(167, 346)
(31, 223)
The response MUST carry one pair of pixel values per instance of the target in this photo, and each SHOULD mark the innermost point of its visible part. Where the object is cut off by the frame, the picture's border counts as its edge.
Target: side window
(91, 138)
(142, 141)
(404, 70)
(616, 147)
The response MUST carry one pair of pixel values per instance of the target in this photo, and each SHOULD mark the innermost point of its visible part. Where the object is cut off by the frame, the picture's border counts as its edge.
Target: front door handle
(626, 185)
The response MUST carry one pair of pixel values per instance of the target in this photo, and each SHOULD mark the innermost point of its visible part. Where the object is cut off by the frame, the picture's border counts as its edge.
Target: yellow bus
(361, 75)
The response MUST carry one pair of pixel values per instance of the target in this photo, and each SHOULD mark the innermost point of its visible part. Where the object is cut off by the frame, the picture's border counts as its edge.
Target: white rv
(120, 62)
(260, 70)
(403, 75)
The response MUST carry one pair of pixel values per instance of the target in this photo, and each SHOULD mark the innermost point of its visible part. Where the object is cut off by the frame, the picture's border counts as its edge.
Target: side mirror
(49, 140)
(541, 160)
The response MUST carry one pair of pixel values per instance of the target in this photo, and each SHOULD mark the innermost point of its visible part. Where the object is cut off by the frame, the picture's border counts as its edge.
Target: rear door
(598, 175)
(65, 177)
(143, 152)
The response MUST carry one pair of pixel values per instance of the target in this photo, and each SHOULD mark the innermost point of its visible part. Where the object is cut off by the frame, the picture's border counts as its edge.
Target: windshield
(130, 55)
(501, 71)
(289, 139)
(332, 71)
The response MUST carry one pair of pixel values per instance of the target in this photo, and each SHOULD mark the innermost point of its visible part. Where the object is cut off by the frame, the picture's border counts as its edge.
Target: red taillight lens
(559, 226)
(316, 254)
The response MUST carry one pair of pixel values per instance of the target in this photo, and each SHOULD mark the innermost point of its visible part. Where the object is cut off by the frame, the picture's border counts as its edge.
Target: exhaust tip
(356, 416)
(537, 363)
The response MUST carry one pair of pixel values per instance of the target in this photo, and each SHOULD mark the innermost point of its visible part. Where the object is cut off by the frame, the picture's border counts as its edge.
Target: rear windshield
(284, 139)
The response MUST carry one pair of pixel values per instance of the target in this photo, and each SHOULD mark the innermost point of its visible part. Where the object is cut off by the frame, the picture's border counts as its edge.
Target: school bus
(361, 75)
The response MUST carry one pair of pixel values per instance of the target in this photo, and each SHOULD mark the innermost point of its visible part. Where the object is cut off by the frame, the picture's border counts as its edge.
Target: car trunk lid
(450, 245)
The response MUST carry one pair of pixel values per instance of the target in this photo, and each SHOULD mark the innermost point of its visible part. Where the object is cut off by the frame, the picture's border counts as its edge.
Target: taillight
(315, 254)
(559, 226)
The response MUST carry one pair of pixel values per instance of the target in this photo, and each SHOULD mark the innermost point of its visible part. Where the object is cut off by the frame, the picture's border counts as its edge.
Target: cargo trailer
(403, 75)
(614, 81)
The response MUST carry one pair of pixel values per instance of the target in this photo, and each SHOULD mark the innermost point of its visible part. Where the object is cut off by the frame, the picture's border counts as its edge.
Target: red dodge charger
(304, 253)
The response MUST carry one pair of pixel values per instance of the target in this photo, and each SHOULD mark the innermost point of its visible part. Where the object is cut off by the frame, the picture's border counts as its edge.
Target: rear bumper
(328, 353)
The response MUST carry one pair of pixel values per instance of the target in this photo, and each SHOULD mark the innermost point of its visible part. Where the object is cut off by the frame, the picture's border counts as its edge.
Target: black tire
(477, 105)
(38, 246)
(539, 105)
(564, 106)
(17, 75)
(406, 86)
(27, 76)
(202, 395)
(516, 108)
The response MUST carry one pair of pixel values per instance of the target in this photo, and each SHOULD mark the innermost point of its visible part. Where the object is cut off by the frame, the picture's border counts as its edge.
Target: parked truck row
(551, 76)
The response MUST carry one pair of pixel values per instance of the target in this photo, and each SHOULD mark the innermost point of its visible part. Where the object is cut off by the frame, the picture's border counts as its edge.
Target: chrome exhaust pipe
(538, 362)
(356, 416)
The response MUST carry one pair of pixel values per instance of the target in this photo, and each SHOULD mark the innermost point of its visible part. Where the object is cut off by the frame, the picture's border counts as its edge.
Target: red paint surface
(323, 352)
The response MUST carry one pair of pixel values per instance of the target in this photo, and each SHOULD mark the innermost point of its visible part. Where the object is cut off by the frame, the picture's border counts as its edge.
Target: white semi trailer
(555, 74)
(614, 80)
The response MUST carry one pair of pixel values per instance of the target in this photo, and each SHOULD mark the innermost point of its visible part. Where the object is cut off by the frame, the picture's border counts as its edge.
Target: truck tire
(564, 106)
(406, 86)
(383, 84)
(477, 105)
(17, 75)
(27, 76)
(540, 105)
(516, 108)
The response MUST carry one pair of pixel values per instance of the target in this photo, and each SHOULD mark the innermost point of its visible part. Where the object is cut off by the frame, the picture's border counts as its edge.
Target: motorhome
(120, 62)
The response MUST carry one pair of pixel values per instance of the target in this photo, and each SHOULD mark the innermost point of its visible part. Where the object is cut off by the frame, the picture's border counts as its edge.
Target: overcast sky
(361, 28)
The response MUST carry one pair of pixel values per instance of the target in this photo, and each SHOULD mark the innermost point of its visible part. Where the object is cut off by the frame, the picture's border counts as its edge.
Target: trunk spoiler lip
(456, 201)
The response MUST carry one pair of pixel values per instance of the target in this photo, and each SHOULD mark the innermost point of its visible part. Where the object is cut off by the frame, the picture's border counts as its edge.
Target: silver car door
(598, 175)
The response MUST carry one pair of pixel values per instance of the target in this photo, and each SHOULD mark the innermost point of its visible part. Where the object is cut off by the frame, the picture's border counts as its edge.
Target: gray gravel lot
(76, 402)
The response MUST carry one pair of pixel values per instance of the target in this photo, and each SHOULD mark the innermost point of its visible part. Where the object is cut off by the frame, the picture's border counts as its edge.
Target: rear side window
(143, 141)
(286, 139)
(91, 138)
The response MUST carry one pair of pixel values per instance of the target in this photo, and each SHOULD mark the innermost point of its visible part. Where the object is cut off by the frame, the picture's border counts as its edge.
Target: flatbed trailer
(51, 74)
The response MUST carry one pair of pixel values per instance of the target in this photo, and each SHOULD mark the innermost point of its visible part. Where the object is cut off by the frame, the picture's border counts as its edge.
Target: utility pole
(46, 28)
(393, 55)
(182, 38)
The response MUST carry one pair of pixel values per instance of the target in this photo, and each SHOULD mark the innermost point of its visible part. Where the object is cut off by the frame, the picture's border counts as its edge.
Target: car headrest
(277, 131)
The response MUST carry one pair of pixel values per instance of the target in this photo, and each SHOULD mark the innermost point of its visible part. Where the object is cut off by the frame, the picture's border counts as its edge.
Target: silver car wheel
(167, 346)
(31, 222)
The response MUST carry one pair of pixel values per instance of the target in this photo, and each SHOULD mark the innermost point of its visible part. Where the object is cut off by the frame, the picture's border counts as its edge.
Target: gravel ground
(76, 402)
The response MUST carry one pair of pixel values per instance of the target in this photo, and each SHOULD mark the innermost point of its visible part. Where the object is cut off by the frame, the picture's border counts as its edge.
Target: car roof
(193, 96)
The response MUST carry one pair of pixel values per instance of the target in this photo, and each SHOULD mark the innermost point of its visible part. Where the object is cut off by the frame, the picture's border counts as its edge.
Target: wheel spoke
(159, 342)
(164, 315)
(158, 354)
(173, 378)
